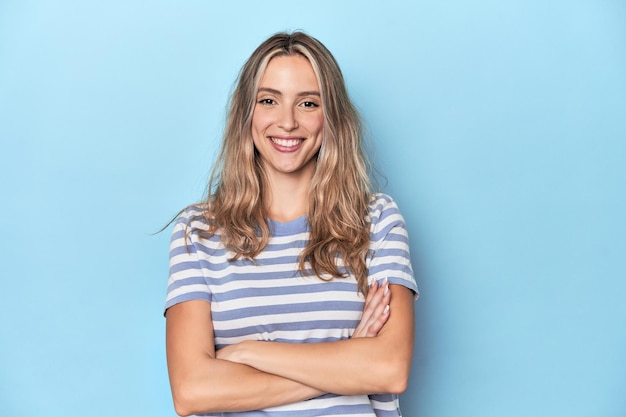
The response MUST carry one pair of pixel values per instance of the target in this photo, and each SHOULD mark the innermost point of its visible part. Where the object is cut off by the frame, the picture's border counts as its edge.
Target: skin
(287, 132)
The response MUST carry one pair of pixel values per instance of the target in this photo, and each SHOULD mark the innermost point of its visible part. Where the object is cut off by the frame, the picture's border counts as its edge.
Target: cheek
(260, 121)
(315, 123)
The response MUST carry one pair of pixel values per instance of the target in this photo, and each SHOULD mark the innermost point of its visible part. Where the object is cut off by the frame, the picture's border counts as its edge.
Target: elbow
(185, 404)
(398, 387)
(191, 398)
(396, 383)
(396, 377)
(181, 411)
(181, 405)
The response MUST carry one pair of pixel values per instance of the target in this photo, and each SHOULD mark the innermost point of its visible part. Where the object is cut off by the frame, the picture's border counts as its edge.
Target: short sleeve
(186, 278)
(389, 245)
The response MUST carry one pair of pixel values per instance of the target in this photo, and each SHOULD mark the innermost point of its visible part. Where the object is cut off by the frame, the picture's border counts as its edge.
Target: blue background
(500, 126)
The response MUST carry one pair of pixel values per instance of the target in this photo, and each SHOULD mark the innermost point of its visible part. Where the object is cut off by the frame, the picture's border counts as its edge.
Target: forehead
(289, 70)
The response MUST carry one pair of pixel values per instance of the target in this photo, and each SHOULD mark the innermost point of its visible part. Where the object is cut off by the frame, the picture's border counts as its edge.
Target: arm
(378, 364)
(374, 365)
(199, 382)
(202, 383)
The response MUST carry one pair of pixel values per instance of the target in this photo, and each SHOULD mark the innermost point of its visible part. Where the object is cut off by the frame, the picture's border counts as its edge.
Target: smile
(290, 142)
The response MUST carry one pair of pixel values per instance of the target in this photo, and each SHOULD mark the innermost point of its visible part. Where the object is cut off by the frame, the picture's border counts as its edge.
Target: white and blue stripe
(269, 299)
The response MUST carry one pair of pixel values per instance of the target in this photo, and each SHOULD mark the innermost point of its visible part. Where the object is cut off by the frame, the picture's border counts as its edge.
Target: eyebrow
(278, 93)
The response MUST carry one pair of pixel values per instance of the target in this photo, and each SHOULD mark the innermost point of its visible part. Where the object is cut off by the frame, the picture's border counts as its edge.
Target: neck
(287, 195)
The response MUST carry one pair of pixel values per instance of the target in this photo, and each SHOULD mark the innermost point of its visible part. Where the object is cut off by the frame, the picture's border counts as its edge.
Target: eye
(266, 101)
(310, 104)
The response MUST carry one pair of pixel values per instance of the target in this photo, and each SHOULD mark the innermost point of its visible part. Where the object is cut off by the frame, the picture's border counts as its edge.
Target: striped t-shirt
(270, 299)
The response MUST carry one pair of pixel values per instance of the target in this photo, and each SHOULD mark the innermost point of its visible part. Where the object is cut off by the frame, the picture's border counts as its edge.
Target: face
(288, 118)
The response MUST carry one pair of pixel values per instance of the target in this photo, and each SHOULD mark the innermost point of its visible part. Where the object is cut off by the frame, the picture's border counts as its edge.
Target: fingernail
(386, 289)
(386, 309)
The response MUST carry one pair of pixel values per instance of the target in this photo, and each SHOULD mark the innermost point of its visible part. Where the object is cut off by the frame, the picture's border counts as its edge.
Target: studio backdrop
(498, 127)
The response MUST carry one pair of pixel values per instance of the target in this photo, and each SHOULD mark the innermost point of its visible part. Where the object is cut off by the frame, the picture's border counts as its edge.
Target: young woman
(291, 290)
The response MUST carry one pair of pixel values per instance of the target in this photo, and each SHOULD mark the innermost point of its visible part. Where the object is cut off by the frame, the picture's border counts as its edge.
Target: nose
(287, 119)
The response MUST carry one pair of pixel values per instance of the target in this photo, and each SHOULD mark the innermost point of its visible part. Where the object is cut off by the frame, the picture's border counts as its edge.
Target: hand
(230, 353)
(375, 311)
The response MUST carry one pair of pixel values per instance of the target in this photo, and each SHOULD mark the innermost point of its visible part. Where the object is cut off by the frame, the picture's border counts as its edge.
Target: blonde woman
(291, 290)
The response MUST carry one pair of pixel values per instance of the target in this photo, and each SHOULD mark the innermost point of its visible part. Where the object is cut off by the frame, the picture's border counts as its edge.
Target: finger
(370, 293)
(377, 299)
(375, 296)
(379, 313)
(364, 323)
(380, 310)
(373, 312)
(378, 324)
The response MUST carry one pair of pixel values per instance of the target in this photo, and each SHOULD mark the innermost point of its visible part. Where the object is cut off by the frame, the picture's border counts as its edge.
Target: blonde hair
(340, 188)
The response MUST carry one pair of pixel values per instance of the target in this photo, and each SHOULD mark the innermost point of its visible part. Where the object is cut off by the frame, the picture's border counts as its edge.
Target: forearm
(220, 386)
(201, 383)
(349, 367)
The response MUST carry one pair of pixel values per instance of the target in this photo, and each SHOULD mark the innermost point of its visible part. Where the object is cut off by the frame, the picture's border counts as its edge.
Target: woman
(291, 290)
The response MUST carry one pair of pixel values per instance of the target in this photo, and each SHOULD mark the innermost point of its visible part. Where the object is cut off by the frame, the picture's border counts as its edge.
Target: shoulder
(192, 218)
(191, 225)
(192, 233)
(382, 206)
(384, 217)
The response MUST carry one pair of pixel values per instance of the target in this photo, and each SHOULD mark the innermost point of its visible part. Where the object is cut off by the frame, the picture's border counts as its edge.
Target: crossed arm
(254, 375)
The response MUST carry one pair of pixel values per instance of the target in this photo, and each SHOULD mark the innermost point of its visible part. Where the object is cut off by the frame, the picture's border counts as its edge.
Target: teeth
(286, 142)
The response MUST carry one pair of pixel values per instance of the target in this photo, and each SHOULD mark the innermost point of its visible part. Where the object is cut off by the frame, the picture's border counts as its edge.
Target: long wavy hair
(340, 189)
